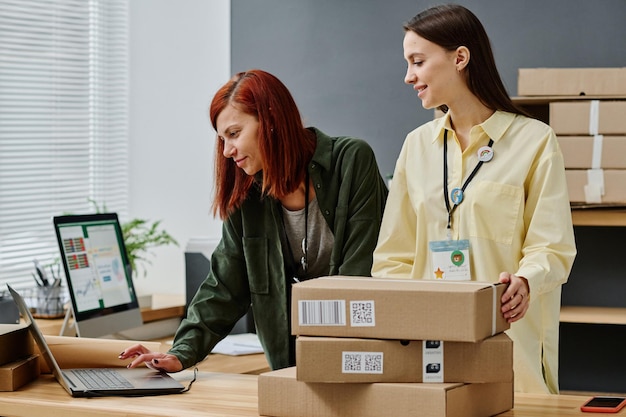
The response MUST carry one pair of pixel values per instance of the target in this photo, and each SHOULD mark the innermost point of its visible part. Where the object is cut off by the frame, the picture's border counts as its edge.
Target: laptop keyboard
(101, 378)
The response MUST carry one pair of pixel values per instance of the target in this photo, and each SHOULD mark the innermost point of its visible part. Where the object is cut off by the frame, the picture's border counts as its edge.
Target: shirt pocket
(495, 211)
(255, 251)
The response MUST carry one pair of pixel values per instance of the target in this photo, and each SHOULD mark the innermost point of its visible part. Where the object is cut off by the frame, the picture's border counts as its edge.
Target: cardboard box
(404, 309)
(585, 117)
(18, 373)
(280, 394)
(328, 359)
(571, 81)
(601, 186)
(601, 151)
(15, 342)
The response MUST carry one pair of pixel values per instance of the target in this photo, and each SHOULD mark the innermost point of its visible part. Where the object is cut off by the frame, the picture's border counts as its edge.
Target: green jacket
(248, 267)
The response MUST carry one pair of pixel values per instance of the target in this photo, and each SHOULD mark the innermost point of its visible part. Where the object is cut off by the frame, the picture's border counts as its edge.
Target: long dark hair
(285, 145)
(451, 26)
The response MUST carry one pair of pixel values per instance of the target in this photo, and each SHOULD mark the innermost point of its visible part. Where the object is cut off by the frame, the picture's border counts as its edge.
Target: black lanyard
(445, 178)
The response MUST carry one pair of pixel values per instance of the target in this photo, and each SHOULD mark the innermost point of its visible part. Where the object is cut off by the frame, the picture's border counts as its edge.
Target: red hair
(285, 145)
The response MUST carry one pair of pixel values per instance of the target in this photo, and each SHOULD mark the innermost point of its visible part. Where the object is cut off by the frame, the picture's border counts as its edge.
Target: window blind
(63, 122)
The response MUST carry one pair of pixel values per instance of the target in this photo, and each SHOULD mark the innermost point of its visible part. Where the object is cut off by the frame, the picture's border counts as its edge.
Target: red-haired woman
(296, 204)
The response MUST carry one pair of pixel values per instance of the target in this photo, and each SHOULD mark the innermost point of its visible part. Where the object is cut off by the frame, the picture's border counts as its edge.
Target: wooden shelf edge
(599, 217)
(149, 315)
(548, 99)
(593, 315)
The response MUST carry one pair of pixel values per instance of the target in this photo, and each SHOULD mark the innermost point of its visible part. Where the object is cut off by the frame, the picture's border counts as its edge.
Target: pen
(36, 279)
(42, 273)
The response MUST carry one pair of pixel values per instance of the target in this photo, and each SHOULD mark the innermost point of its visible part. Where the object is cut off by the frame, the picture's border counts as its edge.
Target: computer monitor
(98, 274)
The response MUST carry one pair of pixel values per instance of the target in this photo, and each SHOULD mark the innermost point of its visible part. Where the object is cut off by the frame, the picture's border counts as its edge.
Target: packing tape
(594, 116)
(596, 154)
(594, 190)
(495, 308)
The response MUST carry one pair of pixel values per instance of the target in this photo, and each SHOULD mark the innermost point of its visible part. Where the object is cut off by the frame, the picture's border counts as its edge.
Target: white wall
(179, 57)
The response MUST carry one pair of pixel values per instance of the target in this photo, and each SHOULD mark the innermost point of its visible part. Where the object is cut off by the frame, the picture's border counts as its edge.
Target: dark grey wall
(342, 59)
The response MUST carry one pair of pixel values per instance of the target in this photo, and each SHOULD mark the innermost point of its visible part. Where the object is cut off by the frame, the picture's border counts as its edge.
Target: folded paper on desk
(239, 344)
(84, 352)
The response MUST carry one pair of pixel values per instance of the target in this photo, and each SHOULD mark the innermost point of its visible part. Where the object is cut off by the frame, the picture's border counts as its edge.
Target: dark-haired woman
(480, 193)
(296, 203)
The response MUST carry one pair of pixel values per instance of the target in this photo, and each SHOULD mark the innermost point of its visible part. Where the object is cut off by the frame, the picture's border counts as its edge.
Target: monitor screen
(98, 274)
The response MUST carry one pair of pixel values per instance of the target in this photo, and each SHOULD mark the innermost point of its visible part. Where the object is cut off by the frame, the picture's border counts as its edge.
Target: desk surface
(222, 389)
(214, 394)
(248, 364)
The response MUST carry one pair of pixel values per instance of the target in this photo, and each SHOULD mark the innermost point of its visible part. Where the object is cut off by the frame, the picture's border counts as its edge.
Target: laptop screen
(97, 271)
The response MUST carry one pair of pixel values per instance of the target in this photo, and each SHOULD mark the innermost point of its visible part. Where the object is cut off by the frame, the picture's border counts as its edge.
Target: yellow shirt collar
(495, 126)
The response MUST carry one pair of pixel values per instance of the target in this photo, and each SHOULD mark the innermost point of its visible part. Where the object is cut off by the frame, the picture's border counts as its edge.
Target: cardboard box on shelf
(280, 394)
(18, 373)
(343, 359)
(588, 117)
(596, 186)
(15, 342)
(600, 151)
(379, 308)
(571, 81)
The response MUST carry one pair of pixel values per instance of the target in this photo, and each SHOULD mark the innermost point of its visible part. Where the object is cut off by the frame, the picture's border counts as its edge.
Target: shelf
(593, 315)
(164, 306)
(525, 100)
(606, 216)
(539, 106)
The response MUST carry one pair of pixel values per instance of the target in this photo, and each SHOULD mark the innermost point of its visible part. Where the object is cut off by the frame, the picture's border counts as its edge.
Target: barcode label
(322, 312)
(362, 362)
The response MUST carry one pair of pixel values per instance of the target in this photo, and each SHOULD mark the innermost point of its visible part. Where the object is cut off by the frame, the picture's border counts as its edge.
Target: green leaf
(140, 235)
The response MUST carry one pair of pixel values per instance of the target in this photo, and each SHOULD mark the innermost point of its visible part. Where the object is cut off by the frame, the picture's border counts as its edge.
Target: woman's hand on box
(516, 297)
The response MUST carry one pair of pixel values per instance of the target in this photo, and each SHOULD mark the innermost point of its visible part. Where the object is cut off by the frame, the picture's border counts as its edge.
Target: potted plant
(140, 235)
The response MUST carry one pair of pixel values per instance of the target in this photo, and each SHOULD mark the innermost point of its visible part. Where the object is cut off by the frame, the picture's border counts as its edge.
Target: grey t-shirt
(320, 240)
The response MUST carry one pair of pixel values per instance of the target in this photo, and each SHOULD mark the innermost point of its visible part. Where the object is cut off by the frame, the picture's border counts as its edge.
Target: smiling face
(433, 71)
(239, 132)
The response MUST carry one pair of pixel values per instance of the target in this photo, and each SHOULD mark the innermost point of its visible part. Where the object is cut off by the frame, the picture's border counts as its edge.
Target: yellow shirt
(515, 213)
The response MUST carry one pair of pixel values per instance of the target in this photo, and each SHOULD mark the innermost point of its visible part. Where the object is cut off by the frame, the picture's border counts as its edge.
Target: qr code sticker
(362, 362)
(373, 363)
(352, 362)
(362, 314)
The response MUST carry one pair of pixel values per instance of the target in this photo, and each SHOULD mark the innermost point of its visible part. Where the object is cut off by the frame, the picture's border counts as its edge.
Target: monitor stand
(68, 325)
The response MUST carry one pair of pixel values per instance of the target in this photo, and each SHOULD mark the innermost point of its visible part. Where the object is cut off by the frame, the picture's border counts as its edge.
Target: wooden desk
(254, 364)
(213, 394)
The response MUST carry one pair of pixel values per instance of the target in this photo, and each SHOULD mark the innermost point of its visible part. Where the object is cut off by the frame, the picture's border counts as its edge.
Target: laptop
(98, 382)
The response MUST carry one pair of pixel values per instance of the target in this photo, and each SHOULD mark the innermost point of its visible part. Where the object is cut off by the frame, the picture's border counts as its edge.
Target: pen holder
(49, 302)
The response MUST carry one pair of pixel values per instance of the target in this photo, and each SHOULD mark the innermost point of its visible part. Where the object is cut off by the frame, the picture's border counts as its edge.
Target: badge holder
(450, 260)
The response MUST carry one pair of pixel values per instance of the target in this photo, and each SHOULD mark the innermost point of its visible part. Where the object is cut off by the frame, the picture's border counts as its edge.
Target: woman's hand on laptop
(155, 360)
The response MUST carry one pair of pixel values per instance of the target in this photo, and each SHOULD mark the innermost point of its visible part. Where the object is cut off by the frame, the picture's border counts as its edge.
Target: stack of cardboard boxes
(18, 362)
(587, 109)
(382, 347)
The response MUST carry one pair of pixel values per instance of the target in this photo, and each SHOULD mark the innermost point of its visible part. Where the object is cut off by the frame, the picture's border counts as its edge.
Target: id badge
(450, 260)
